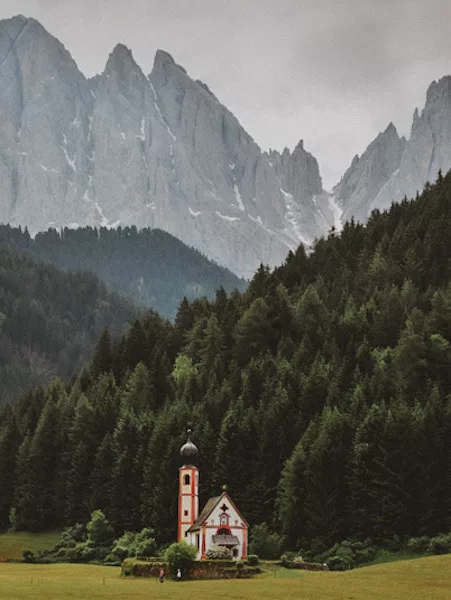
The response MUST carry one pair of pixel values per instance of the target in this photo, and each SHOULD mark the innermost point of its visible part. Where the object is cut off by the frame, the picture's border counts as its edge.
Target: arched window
(223, 520)
(186, 479)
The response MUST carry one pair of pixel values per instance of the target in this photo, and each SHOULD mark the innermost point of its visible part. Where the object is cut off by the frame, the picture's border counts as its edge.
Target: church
(220, 523)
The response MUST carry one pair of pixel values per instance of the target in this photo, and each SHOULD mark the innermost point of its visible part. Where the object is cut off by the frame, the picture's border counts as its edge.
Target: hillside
(152, 266)
(321, 396)
(50, 321)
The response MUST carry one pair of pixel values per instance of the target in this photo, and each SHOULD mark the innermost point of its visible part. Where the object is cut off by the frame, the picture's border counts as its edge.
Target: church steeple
(188, 506)
(189, 450)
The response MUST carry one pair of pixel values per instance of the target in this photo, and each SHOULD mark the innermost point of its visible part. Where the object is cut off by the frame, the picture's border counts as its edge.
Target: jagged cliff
(160, 150)
(391, 167)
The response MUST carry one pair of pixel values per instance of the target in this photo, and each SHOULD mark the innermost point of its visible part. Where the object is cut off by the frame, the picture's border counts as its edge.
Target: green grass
(423, 579)
(13, 544)
(386, 556)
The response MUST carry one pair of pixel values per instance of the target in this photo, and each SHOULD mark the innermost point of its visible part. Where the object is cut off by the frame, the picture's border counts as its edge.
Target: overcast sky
(333, 72)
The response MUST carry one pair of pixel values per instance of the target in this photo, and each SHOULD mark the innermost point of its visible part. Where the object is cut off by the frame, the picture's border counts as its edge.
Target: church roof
(226, 540)
(209, 508)
(206, 511)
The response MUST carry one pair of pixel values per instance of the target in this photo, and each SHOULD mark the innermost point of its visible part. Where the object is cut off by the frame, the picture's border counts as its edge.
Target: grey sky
(333, 72)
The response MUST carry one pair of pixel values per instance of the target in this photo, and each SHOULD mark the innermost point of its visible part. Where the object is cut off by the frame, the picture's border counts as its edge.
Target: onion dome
(189, 450)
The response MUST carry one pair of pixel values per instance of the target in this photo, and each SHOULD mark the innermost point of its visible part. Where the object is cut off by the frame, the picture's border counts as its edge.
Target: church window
(223, 519)
(197, 541)
(186, 479)
(223, 530)
(185, 512)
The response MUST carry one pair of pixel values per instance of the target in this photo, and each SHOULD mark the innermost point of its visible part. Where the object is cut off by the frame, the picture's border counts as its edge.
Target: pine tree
(10, 440)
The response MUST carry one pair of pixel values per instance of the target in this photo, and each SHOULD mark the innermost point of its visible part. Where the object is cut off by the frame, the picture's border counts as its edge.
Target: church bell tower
(188, 508)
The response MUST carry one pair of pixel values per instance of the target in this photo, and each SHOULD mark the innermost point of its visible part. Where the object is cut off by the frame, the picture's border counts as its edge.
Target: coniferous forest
(321, 396)
(50, 321)
(153, 267)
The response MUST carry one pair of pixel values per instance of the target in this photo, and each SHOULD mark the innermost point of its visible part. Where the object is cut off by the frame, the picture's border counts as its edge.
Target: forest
(151, 266)
(321, 396)
(50, 321)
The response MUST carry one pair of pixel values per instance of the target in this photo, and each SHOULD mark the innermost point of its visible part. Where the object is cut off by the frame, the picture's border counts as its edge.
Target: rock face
(124, 148)
(368, 174)
(392, 168)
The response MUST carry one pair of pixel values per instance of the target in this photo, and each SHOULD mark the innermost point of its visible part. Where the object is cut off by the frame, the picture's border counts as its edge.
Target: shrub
(145, 543)
(180, 555)
(340, 562)
(347, 554)
(73, 535)
(441, 544)
(418, 545)
(100, 532)
(286, 560)
(28, 556)
(219, 553)
(134, 544)
(265, 543)
(253, 560)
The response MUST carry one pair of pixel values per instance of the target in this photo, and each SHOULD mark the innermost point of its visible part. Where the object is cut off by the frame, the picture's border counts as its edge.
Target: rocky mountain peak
(367, 174)
(439, 92)
(158, 151)
(392, 167)
(162, 59)
(121, 63)
(299, 146)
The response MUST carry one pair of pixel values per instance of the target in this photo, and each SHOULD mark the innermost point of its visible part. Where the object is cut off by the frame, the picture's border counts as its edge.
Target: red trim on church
(203, 542)
(190, 518)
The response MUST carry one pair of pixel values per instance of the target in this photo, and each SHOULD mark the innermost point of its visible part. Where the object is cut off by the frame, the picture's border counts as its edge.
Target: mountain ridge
(123, 148)
(412, 163)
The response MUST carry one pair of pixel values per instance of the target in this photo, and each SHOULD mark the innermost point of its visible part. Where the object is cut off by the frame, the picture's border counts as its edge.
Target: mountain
(368, 174)
(391, 167)
(50, 321)
(160, 151)
(154, 268)
(321, 396)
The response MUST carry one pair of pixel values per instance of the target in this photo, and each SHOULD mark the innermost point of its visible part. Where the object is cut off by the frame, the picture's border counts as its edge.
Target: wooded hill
(153, 267)
(320, 396)
(50, 321)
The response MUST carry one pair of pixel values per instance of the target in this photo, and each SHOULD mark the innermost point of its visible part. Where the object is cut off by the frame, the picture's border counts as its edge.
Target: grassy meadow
(14, 543)
(423, 579)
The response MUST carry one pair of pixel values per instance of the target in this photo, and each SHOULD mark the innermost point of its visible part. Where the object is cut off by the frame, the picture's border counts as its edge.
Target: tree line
(151, 266)
(321, 396)
(50, 321)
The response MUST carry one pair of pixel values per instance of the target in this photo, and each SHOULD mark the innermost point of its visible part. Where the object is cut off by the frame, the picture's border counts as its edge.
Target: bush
(418, 545)
(100, 532)
(286, 560)
(265, 543)
(441, 544)
(73, 535)
(28, 556)
(347, 554)
(253, 560)
(340, 562)
(219, 553)
(180, 555)
(135, 544)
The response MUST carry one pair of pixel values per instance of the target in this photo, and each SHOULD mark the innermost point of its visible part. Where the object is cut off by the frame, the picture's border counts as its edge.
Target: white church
(219, 524)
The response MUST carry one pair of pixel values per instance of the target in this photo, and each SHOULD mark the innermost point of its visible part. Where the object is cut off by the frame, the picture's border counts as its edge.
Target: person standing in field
(161, 578)
(179, 574)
